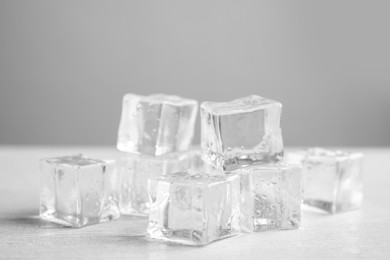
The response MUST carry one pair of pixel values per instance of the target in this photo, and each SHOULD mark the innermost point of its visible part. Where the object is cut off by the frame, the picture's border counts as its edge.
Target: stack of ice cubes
(239, 179)
(155, 134)
(238, 184)
(243, 137)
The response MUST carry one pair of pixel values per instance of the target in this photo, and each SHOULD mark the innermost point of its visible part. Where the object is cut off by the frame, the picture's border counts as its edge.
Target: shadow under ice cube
(241, 132)
(270, 197)
(156, 124)
(192, 208)
(332, 180)
(78, 191)
(135, 170)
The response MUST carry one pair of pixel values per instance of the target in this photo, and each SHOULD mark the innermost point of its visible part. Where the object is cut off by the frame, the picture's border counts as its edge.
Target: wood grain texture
(358, 234)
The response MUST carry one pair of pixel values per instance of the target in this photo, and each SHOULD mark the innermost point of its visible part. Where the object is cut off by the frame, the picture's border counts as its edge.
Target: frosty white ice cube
(241, 132)
(192, 208)
(135, 171)
(78, 191)
(156, 124)
(332, 180)
(270, 197)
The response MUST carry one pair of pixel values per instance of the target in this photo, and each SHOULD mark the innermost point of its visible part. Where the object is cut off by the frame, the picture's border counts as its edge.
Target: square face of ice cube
(332, 180)
(157, 124)
(135, 170)
(194, 208)
(78, 191)
(270, 197)
(241, 132)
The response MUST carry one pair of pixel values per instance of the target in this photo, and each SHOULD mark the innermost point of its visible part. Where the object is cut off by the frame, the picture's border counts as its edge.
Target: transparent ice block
(270, 197)
(194, 208)
(241, 132)
(332, 180)
(156, 124)
(137, 169)
(78, 191)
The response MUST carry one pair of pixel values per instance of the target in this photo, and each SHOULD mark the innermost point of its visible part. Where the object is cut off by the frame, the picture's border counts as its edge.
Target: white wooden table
(359, 234)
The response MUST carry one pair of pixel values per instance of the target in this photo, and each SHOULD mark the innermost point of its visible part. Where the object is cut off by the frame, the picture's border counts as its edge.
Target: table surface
(364, 233)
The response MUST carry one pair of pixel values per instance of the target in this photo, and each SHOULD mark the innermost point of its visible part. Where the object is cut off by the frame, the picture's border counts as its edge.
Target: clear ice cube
(332, 180)
(241, 132)
(156, 124)
(135, 170)
(78, 191)
(270, 197)
(194, 208)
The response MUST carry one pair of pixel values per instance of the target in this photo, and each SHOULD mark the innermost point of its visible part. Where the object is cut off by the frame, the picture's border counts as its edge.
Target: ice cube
(332, 180)
(241, 132)
(156, 124)
(270, 197)
(135, 170)
(194, 208)
(78, 191)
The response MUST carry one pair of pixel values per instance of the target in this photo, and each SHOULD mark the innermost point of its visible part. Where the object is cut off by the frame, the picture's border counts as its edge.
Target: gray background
(64, 66)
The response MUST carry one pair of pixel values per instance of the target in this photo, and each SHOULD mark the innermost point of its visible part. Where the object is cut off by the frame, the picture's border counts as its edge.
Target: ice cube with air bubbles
(194, 208)
(332, 180)
(270, 197)
(78, 191)
(157, 124)
(241, 132)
